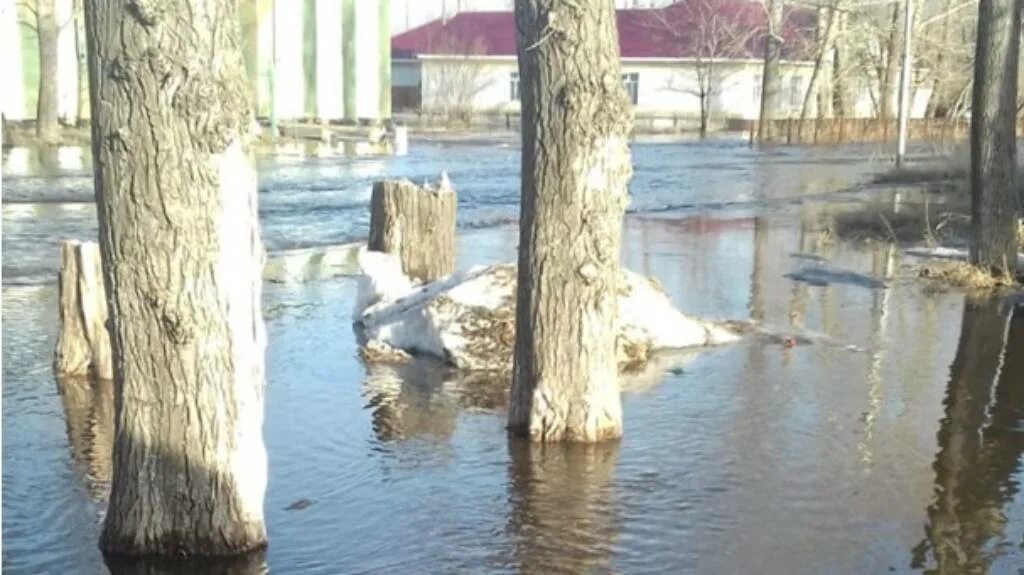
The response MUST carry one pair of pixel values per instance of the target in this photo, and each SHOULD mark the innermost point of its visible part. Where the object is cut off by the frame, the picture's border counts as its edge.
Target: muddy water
(890, 438)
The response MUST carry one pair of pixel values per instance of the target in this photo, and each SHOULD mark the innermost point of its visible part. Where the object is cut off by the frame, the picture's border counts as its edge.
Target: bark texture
(575, 167)
(417, 223)
(176, 197)
(771, 79)
(47, 127)
(993, 136)
(83, 340)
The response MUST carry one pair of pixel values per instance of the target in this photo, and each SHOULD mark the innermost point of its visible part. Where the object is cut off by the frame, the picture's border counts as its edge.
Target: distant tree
(705, 31)
(453, 83)
(575, 167)
(182, 257)
(994, 209)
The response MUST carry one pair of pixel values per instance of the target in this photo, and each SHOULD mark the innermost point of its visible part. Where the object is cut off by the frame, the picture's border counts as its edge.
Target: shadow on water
(981, 440)
(561, 506)
(251, 564)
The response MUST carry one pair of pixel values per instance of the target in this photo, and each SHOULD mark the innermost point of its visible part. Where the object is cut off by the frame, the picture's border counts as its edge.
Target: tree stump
(83, 341)
(417, 223)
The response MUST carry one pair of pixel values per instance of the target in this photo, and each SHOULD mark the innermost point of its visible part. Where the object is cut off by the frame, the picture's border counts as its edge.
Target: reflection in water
(250, 564)
(883, 265)
(422, 398)
(980, 443)
(89, 413)
(561, 506)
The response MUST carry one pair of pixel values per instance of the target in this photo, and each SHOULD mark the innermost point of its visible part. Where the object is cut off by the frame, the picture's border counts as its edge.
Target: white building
(468, 62)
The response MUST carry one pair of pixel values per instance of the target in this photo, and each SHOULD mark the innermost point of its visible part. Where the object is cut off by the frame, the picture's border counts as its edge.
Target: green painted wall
(348, 39)
(309, 56)
(29, 59)
(249, 16)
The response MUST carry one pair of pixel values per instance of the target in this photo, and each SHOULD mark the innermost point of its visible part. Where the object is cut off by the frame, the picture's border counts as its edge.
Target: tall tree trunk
(827, 37)
(888, 90)
(993, 136)
(839, 62)
(47, 128)
(938, 103)
(575, 167)
(81, 64)
(771, 80)
(176, 197)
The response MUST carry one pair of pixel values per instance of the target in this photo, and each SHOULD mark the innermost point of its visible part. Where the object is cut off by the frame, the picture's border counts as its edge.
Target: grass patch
(966, 276)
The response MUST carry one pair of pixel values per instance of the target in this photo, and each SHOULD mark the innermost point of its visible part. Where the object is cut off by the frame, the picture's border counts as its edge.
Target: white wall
(491, 77)
(665, 86)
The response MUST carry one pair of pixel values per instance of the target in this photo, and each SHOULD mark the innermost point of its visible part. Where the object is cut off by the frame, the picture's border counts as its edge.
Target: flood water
(889, 439)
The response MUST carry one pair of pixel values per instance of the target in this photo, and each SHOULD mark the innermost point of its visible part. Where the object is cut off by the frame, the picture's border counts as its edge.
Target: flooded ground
(889, 439)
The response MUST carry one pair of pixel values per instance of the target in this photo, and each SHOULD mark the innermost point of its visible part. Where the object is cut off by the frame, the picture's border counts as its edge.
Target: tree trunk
(47, 128)
(182, 257)
(993, 136)
(771, 80)
(889, 88)
(83, 341)
(839, 108)
(826, 39)
(938, 103)
(416, 223)
(81, 65)
(575, 166)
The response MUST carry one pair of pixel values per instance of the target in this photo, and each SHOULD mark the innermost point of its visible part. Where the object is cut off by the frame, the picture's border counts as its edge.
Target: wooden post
(83, 340)
(416, 223)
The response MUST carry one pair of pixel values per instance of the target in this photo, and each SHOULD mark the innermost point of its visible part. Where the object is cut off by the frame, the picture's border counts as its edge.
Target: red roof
(680, 30)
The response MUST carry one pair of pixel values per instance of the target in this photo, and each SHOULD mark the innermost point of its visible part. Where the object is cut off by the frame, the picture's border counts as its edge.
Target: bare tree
(826, 40)
(453, 83)
(993, 136)
(708, 33)
(575, 167)
(182, 258)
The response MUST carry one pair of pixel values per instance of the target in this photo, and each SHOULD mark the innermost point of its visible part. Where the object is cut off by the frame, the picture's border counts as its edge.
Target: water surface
(889, 439)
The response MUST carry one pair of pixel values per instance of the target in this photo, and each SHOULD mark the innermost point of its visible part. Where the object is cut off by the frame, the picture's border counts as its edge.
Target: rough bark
(771, 79)
(83, 341)
(416, 223)
(176, 197)
(575, 167)
(993, 139)
(47, 127)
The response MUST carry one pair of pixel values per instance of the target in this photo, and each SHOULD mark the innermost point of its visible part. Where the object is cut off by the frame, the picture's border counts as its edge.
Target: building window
(796, 91)
(513, 87)
(632, 84)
